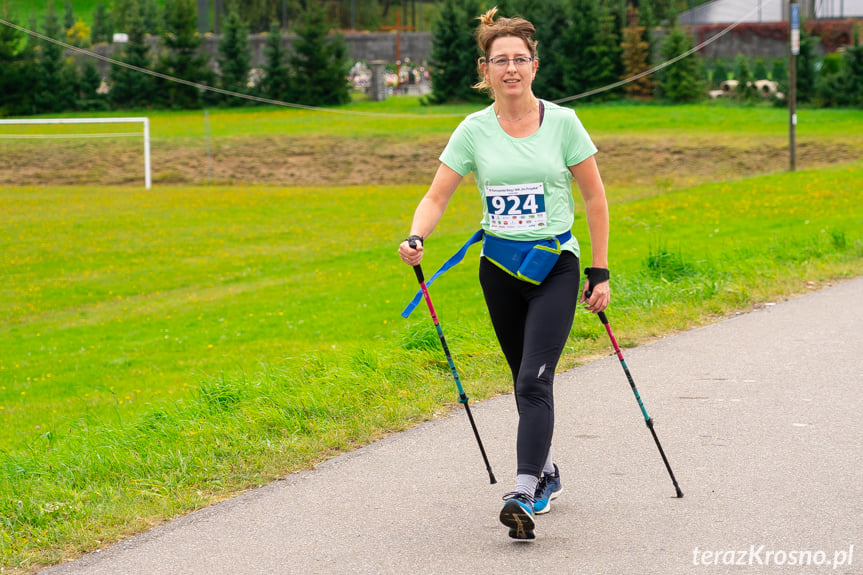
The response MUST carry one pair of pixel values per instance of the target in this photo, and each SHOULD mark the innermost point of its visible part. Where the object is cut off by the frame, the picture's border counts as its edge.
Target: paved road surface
(760, 416)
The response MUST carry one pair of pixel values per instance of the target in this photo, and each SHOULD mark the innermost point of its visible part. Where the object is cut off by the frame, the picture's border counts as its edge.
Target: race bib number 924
(517, 207)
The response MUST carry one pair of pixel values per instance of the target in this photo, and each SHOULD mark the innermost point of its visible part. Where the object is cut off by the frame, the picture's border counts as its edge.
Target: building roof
(730, 11)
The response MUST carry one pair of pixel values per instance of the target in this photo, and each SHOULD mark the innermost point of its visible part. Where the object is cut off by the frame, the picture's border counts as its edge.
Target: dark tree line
(589, 44)
(36, 76)
(582, 45)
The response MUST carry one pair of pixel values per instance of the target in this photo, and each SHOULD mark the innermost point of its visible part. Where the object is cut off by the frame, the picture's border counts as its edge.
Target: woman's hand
(600, 296)
(412, 256)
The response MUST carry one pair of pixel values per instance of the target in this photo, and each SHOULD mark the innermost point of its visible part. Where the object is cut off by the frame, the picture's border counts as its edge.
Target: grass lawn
(162, 350)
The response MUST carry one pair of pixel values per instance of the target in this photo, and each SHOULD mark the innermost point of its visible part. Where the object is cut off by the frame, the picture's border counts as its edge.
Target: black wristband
(596, 276)
(412, 240)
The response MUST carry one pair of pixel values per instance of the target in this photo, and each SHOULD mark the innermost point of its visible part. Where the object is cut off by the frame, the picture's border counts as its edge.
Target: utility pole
(792, 82)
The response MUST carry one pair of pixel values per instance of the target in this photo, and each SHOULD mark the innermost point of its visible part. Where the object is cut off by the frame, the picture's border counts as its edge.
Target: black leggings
(532, 324)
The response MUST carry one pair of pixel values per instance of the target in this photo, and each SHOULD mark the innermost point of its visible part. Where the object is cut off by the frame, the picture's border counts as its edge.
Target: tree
(133, 89)
(152, 17)
(760, 71)
(181, 58)
(90, 80)
(551, 19)
(234, 54)
(779, 74)
(15, 67)
(635, 58)
(841, 80)
(79, 34)
(806, 61)
(679, 82)
(319, 62)
(102, 30)
(852, 67)
(647, 18)
(580, 39)
(606, 51)
(720, 74)
(276, 82)
(745, 90)
(69, 17)
(52, 94)
(454, 53)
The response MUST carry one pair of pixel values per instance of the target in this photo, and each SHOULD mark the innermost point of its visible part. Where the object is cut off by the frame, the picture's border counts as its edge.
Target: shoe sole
(519, 521)
(547, 507)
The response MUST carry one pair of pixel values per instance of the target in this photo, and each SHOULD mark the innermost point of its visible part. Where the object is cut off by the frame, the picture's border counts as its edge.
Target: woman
(524, 152)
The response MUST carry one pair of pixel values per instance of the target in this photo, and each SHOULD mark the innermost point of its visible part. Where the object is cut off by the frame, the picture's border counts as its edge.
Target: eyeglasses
(501, 62)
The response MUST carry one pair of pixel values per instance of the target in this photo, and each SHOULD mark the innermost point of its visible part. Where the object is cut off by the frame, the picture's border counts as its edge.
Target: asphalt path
(759, 415)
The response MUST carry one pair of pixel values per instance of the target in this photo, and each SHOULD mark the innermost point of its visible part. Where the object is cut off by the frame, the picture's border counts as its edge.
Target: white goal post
(144, 121)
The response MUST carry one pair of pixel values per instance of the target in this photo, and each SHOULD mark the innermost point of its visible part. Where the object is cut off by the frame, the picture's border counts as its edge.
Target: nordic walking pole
(647, 419)
(462, 396)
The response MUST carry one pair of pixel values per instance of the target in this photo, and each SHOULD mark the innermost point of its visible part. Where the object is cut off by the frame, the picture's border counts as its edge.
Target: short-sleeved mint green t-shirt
(524, 183)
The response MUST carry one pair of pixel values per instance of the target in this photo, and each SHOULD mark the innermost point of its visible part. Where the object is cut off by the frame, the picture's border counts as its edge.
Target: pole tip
(492, 479)
(679, 492)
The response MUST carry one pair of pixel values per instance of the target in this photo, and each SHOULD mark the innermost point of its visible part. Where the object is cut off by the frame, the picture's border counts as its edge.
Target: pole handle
(418, 270)
(601, 315)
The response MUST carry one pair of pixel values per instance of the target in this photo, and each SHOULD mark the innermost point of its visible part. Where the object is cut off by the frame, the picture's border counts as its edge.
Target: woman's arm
(589, 182)
(429, 211)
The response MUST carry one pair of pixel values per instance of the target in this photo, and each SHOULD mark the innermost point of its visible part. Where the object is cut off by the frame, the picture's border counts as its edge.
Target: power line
(205, 87)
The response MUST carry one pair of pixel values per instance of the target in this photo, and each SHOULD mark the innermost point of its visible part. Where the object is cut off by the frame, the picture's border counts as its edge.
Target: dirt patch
(331, 161)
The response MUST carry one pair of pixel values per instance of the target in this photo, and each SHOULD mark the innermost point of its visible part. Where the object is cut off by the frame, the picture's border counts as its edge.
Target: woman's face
(510, 79)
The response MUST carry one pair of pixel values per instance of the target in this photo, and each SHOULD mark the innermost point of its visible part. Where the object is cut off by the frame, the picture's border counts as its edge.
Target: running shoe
(517, 514)
(548, 488)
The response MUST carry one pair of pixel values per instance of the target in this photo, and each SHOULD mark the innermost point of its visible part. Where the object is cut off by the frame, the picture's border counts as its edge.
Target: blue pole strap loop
(459, 256)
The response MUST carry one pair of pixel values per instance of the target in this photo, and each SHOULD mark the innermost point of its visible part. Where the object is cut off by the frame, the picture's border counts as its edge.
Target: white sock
(548, 468)
(526, 484)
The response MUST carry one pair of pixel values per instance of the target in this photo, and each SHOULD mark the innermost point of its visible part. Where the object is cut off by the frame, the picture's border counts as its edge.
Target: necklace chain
(499, 117)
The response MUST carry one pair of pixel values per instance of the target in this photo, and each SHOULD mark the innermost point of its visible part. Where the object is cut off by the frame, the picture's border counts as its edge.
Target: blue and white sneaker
(517, 514)
(548, 488)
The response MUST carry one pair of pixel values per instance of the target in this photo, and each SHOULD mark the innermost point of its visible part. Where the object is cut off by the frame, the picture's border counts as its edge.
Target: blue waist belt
(530, 261)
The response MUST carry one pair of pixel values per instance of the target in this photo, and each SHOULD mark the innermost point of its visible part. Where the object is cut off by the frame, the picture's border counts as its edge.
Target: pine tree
(133, 89)
(14, 92)
(647, 18)
(679, 82)
(806, 61)
(453, 60)
(760, 71)
(336, 88)
(779, 74)
(720, 74)
(49, 94)
(102, 30)
(552, 22)
(635, 58)
(276, 83)
(90, 80)
(852, 61)
(840, 81)
(745, 90)
(606, 51)
(120, 14)
(580, 40)
(69, 17)
(320, 64)
(234, 53)
(181, 58)
(152, 17)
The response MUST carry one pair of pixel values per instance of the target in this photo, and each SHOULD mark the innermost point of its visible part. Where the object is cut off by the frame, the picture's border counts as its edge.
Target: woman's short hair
(490, 30)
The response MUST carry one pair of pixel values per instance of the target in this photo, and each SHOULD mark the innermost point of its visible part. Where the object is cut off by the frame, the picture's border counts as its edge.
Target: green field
(163, 349)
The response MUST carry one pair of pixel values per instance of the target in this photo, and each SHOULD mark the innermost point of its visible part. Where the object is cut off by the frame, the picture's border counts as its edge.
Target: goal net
(22, 141)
